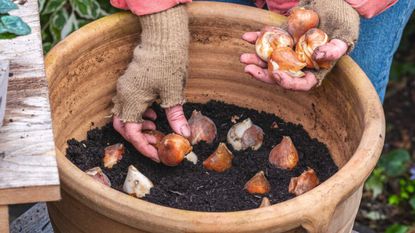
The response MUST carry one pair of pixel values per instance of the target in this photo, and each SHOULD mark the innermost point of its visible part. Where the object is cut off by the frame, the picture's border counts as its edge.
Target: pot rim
(329, 194)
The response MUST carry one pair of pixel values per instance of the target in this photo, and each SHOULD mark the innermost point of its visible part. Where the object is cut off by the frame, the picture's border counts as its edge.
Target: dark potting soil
(192, 187)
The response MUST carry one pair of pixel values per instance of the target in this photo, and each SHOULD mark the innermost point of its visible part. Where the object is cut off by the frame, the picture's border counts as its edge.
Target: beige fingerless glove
(339, 20)
(158, 68)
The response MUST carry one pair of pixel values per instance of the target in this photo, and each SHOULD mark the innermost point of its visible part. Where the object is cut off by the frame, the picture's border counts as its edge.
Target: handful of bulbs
(292, 51)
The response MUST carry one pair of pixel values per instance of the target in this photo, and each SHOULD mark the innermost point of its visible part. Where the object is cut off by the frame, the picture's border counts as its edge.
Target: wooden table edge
(30, 194)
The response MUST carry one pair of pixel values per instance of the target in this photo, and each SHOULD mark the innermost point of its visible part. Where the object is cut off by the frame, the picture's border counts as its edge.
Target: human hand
(331, 51)
(371, 8)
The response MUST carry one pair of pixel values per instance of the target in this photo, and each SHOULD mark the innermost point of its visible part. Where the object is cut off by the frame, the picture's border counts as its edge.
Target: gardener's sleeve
(146, 7)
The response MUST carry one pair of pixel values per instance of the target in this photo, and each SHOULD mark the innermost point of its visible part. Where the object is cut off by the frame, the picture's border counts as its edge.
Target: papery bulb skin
(136, 184)
(306, 46)
(244, 135)
(157, 134)
(303, 183)
(173, 148)
(286, 60)
(220, 160)
(300, 20)
(97, 174)
(284, 155)
(265, 202)
(202, 128)
(270, 39)
(113, 154)
(258, 184)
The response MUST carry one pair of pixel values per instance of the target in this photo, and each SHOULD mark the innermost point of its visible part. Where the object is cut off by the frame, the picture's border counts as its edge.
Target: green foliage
(11, 26)
(395, 163)
(397, 228)
(61, 17)
(376, 182)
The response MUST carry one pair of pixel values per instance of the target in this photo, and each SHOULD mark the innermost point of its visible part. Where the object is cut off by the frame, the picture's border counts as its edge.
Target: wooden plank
(4, 77)
(35, 220)
(27, 155)
(4, 219)
(28, 169)
(29, 194)
(25, 52)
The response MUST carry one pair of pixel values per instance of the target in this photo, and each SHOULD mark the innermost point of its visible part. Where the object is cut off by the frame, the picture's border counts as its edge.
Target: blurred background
(388, 203)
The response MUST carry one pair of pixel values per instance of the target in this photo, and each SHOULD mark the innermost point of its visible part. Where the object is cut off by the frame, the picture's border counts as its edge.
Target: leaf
(395, 162)
(95, 9)
(412, 202)
(6, 6)
(15, 25)
(47, 46)
(70, 25)
(7, 35)
(53, 6)
(41, 5)
(83, 8)
(393, 200)
(376, 182)
(57, 22)
(397, 228)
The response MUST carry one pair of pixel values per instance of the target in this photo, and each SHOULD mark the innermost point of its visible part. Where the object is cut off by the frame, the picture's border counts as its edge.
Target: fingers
(134, 135)
(150, 114)
(250, 58)
(148, 125)
(296, 84)
(332, 51)
(251, 37)
(178, 121)
(259, 74)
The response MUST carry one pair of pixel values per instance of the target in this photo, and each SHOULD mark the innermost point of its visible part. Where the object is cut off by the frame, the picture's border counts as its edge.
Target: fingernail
(185, 131)
(155, 159)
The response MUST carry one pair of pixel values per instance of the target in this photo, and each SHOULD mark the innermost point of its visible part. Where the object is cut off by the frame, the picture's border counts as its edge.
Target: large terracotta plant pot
(345, 113)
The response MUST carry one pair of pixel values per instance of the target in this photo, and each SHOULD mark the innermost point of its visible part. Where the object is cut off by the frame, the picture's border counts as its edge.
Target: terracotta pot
(344, 112)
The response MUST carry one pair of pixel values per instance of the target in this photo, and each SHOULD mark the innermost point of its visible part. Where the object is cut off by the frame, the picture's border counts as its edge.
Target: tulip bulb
(304, 183)
(284, 155)
(270, 39)
(258, 184)
(286, 60)
(220, 160)
(202, 128)
(265, 202)
(113, 154)
(244, 135)
(300, 21)
(97, 174)
(309, 42)
(173, 148)
(191, 157)
(136, 184)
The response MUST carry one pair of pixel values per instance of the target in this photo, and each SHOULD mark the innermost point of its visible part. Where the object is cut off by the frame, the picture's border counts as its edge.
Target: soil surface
(192, 187)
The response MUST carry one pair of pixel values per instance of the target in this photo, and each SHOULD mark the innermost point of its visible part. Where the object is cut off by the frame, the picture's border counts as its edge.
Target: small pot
(4, 80)
(345, 113)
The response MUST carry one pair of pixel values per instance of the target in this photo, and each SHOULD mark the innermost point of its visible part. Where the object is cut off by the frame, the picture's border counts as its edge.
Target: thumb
(177, 120)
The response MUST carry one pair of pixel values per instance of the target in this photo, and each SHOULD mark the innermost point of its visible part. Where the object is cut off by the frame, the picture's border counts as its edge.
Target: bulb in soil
(265, 202)
(286, 60)
(202, 128)
(303, 183)
(220, 160)
(270, 39)
(306, 46)
(136, 184)
(192, 157)
(113, 154)
(157, 134)
(244, 135)
(284, 155)
(258, 184)
(99, 176)
(300, 21)
(173, 148)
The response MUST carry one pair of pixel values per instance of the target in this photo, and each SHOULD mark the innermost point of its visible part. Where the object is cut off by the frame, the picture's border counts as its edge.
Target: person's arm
(371, 8)
(158, 69)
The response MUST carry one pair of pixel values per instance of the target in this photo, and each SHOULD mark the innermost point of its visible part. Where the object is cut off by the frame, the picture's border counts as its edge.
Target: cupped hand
(133, 132)
(257, 68)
